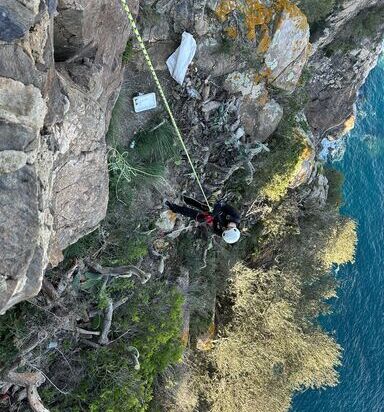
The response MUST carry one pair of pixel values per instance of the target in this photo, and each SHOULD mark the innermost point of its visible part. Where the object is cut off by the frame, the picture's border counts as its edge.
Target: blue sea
(358, 319)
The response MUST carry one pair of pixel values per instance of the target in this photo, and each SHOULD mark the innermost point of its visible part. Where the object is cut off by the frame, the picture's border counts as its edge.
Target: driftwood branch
(87, 332)
(31, 381)
(107, 324)
(120, 271)
(34, 400)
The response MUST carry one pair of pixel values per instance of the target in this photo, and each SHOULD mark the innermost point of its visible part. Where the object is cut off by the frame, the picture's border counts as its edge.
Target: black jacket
(222, 215)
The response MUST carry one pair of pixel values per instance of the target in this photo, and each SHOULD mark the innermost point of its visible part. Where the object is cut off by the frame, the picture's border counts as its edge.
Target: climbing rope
(162, 94)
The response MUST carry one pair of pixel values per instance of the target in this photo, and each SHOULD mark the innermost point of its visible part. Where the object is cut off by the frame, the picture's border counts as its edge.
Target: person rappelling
(224, 219)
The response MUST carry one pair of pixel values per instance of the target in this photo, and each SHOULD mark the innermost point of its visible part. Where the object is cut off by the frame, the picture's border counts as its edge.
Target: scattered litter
(179, 61)
(144, 102)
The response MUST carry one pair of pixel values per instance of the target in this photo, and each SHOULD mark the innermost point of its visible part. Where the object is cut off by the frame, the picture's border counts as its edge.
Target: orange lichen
(293, 11)
(224, 8)
(256, 14)
(265, 40)
(307, 153)
(231, 32)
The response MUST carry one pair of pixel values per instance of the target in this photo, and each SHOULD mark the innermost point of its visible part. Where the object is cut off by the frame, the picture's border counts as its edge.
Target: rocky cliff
(60, 68)
(345, 50)
(60, 74)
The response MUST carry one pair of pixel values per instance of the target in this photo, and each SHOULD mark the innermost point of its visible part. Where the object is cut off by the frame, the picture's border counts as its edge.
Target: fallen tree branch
(120, 271)
(66, 279)
(88, 332)
(107, 324)
(34, 400)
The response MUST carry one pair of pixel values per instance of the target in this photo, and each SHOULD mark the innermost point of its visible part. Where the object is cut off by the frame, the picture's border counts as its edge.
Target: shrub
(153, 320)
(282, 165)
(340, 244)
(127, 54)
(265, 346)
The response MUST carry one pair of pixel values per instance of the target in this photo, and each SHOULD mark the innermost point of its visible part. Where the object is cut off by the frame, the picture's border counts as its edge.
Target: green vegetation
(317, 10)
(127, 54)
(111, 382)
(266, 345)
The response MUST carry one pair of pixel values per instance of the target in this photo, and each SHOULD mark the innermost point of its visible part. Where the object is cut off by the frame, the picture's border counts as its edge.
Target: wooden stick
(34, 400)
(107, 324)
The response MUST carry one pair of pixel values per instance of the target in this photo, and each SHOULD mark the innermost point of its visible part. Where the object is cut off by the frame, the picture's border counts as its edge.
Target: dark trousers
(185, 211)
(195, 203)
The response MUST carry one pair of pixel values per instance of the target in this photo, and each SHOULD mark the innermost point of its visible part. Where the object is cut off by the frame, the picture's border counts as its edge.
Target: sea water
(357, 321)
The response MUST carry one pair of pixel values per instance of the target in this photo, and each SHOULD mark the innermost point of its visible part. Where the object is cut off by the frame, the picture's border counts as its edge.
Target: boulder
(245, 83)
(260, 119)
(166, 221)
(56, 97)
(289, 48)
(267, 120)
(259, 114)
(318, 196)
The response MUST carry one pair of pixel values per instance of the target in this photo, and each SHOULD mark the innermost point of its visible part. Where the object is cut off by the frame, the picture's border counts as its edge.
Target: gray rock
(12, 160)
(317, 198)
(267, 120)
(53, 120)
(157, 31)
(10, 28)
(289, 49)
(337, 77)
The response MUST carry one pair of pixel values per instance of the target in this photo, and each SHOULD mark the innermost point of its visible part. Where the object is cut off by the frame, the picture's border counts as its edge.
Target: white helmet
(231, 235)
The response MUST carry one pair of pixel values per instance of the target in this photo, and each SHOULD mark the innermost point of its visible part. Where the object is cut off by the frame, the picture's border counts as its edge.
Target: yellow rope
(161, 91)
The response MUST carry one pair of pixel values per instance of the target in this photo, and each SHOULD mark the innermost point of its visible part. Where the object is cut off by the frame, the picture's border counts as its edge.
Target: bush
(282, 165)
(266, 346)
(111, 382)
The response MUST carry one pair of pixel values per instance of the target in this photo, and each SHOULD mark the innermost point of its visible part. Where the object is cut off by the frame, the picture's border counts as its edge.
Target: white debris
(179, 61)
(144, 102)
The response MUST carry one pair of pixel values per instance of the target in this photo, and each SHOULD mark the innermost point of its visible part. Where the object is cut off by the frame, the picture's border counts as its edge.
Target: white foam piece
(144, 102)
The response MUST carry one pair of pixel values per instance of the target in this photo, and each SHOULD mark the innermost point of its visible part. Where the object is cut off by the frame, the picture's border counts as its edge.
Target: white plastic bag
(179, 61)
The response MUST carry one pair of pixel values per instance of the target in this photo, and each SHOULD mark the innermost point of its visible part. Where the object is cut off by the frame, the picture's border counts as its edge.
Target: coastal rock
(340, 64)
(267, 120)
(245, 84)
(317, 198)
(289, 49)
(259, 114)
(56, 97)
(166, 221)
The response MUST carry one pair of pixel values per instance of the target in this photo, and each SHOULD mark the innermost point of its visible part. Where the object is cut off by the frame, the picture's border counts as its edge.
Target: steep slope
(60, 68)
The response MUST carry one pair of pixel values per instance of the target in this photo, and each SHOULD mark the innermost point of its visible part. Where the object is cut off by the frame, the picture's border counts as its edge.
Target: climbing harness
(162, 94)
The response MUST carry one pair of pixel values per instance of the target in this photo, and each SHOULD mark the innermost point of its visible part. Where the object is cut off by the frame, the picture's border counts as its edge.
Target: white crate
(144, 102)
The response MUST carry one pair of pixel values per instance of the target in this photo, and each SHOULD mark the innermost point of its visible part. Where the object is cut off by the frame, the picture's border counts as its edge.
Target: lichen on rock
(289, 49)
